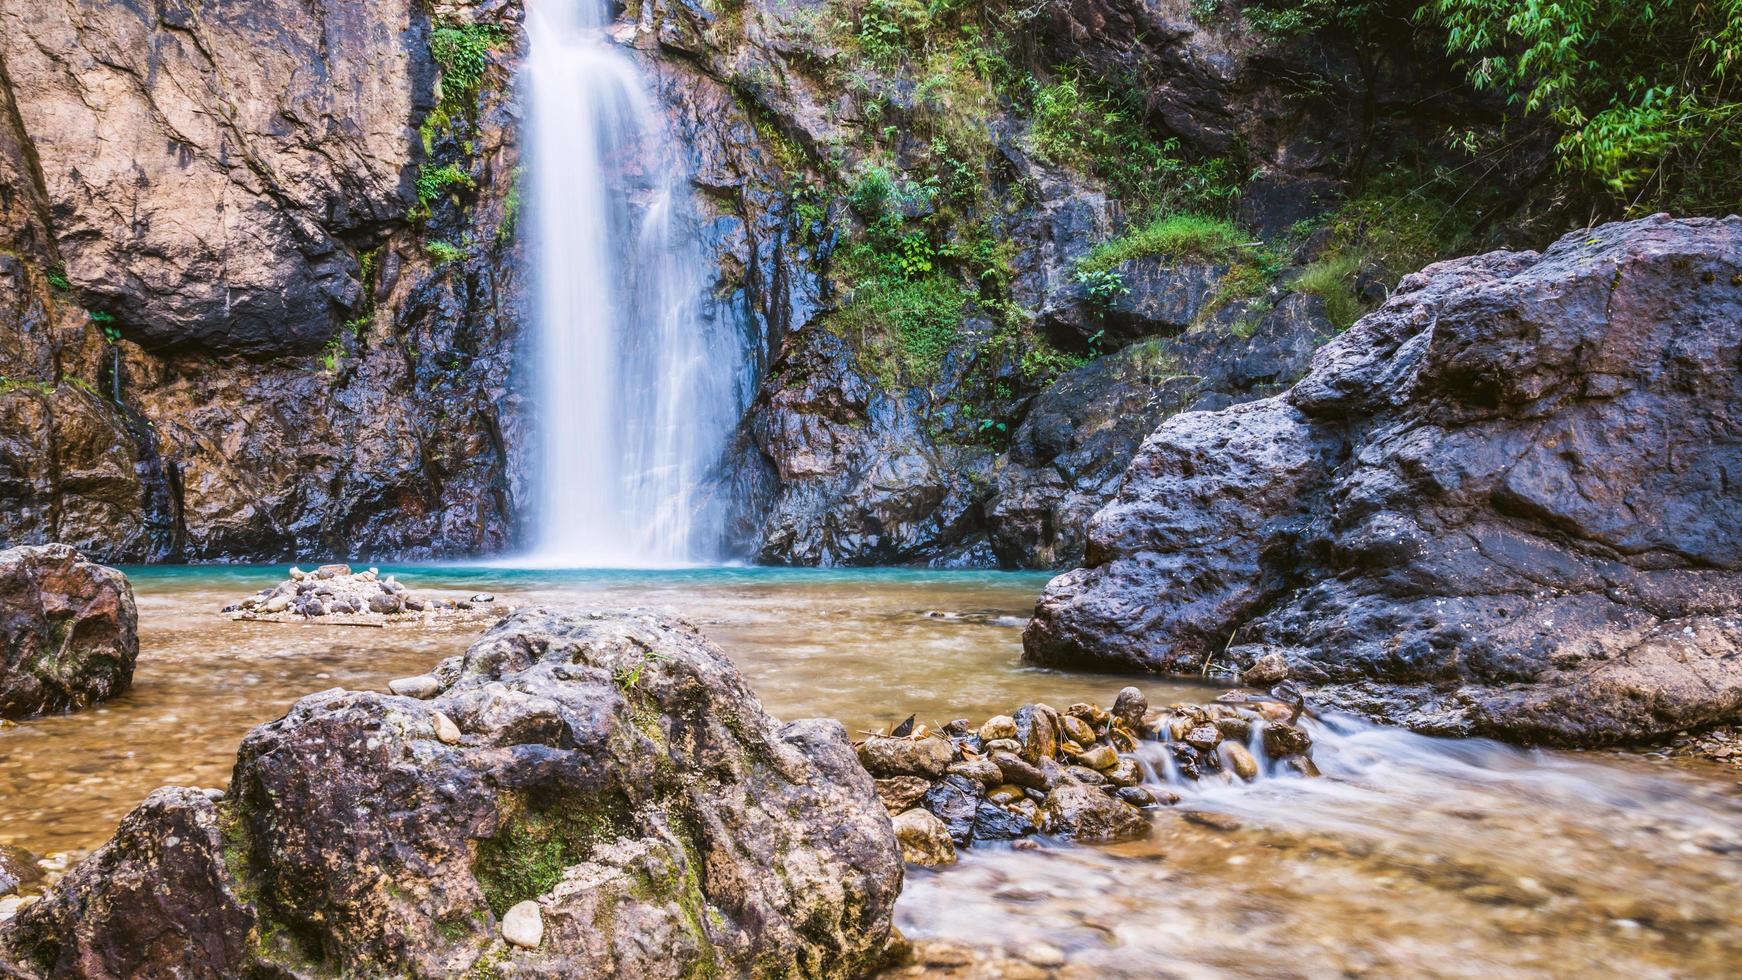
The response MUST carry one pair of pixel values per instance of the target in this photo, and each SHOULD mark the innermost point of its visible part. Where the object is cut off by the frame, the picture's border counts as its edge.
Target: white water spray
(636, 389)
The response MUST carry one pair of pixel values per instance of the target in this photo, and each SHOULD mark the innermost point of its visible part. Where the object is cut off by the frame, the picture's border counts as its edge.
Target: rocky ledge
(1084, 774)
(334, 594)
(586, 796)
(1503, 504)
(68, 631)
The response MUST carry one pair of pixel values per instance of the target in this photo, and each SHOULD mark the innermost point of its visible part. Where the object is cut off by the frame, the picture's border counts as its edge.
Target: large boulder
(612, 770)
(68, 631)
(1499, 505)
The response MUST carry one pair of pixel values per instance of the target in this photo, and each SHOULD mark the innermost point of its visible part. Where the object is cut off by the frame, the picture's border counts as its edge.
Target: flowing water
(1409, 857)
(637, 391)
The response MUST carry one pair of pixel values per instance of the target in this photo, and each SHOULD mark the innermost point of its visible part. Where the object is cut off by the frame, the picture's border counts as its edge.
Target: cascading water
(637, 391)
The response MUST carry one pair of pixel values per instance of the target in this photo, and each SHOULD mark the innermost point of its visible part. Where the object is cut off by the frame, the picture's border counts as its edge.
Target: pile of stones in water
(1076, 774)
(334, 593)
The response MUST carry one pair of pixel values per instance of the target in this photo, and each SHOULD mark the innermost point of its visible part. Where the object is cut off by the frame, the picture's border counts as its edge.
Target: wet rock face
(233, 216)
(612, 769)
(1495, 506)
(68, 631)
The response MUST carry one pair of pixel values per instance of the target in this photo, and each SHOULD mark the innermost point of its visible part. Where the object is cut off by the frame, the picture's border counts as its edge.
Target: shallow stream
(1410, 857)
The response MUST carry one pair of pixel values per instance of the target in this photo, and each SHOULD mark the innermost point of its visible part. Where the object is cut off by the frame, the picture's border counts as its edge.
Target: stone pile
(1076, 774)
(336, 594)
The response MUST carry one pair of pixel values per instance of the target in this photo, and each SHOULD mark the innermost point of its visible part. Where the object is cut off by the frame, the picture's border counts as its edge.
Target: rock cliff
(263, 295)
(1500, 505)
(228, 332)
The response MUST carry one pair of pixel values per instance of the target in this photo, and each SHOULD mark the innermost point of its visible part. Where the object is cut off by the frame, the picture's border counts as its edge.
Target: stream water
(1410, 857)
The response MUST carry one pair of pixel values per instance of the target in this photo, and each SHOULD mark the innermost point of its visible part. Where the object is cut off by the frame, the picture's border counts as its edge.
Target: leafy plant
(106, 322)
(444, 252)
(1645, 94)
(1103, 286)
(57, 277)
(434, 182)
(463, 52)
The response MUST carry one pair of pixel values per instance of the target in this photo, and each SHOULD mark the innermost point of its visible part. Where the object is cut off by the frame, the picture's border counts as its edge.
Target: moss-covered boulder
(612, 769)
(68, 631)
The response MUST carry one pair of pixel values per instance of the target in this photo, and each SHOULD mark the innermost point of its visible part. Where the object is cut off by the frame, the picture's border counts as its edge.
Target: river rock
(1281, 738)
(1037, 728)
(661, 826)
(899, 793)
(1086, 814)
(1019, 771)
(1268, 670)
(983, 771)
(423, 686)
(446, 730)
(1125, 772)
(1445, 523)
(1240, 760)
(68, 631)
(1098, 757)
(1203, 737)
(924, 839)
(954, 800)
(1129, 708)
(523, 925)
(1008, 822)
(1077, 730)
(997, 727)
(885, 756)
(18, 869)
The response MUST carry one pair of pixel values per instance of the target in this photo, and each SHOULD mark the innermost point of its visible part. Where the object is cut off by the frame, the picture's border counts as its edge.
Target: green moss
(444, 252)
(57, 277)
(540, 836)
(1332, 280)
(9, 385)
(903, 326)
(1176, 236)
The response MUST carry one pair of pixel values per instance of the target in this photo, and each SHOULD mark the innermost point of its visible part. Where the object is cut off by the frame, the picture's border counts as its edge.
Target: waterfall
(636, 389)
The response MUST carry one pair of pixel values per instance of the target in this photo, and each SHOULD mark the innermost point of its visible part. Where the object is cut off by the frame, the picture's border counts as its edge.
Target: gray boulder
(1499, 505)
(68, 631)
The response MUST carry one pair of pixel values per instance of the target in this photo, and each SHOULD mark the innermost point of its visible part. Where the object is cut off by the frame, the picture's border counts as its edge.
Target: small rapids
(1409, 855)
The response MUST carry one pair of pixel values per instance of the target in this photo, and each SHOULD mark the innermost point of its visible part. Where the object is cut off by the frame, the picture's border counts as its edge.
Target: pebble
(423, 686)
(1004, 745)
(484, 597)
(998, 727)
(523, 926)
(1043, 954)
(446, 730)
